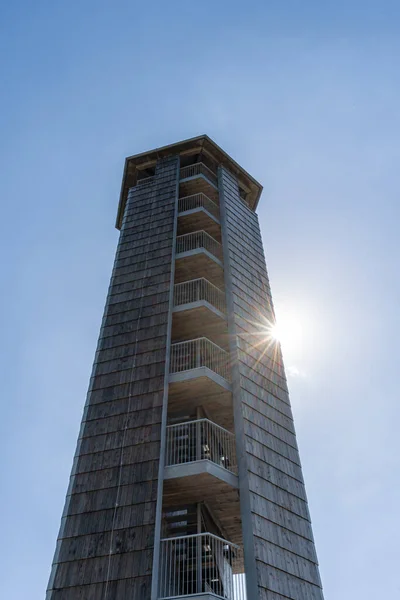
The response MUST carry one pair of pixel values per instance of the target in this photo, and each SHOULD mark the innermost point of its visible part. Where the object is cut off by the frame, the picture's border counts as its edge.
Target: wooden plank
(112, 501)
(284, 550)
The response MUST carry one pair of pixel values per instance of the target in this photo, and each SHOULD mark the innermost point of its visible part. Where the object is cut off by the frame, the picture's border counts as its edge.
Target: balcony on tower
(198, 254)
(199, 556)
(200, 465)
(202, 566)
(198, 178)
(200, 369)
(199, 310)
(203, 449)
(196, 212)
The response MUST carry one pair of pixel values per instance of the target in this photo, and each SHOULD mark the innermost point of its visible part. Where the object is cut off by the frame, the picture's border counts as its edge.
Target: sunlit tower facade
(187, 481)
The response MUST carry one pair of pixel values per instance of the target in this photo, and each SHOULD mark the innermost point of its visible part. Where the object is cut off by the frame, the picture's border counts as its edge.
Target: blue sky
(306, 97)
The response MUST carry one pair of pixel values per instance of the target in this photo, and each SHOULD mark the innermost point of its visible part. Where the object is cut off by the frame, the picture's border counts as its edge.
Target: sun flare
(275, 332)
(288, 330)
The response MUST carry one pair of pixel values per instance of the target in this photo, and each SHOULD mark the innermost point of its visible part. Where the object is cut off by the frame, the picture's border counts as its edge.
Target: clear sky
(305, 95)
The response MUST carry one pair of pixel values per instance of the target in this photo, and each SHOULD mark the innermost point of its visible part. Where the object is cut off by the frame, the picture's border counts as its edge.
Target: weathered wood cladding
(284, 552)
(106, 540)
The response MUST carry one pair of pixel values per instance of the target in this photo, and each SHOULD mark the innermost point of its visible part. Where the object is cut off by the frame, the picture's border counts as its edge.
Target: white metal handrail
(199, 169)
(198, 239)
(144, 180)
(199, 289)
(201, 564)
(200, 440)
(198, 201)
(200, 352)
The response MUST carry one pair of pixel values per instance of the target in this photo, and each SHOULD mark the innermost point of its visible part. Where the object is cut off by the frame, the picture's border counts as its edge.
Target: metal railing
(198, 239)
(200, 352)
(144, 180)
(199, 289)
(201, 564)
(199, 169)
(198, 201)
(200, 440)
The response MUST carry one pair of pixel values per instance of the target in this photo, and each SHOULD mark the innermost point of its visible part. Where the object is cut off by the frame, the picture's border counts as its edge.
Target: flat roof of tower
(201, 143)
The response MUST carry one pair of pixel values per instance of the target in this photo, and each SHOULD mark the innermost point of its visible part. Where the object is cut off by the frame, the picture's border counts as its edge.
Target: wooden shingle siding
(107, 532)
(284, 551)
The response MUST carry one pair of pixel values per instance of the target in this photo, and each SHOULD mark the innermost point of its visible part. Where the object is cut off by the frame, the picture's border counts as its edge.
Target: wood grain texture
(286, 561)
(105, 547)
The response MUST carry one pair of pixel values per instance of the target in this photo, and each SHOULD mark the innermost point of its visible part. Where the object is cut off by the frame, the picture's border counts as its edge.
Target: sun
(288, 331)
(275, 331)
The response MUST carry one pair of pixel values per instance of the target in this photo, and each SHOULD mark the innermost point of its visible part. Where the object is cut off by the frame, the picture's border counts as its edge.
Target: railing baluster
(199, 169)
(201, 563)
(198, 201)
(199, 289)
(187, 442)
(144, 180)
(199, 353)
(198, 239)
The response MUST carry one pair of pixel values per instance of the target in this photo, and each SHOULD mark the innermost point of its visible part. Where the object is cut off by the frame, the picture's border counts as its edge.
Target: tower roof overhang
(202, 143)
